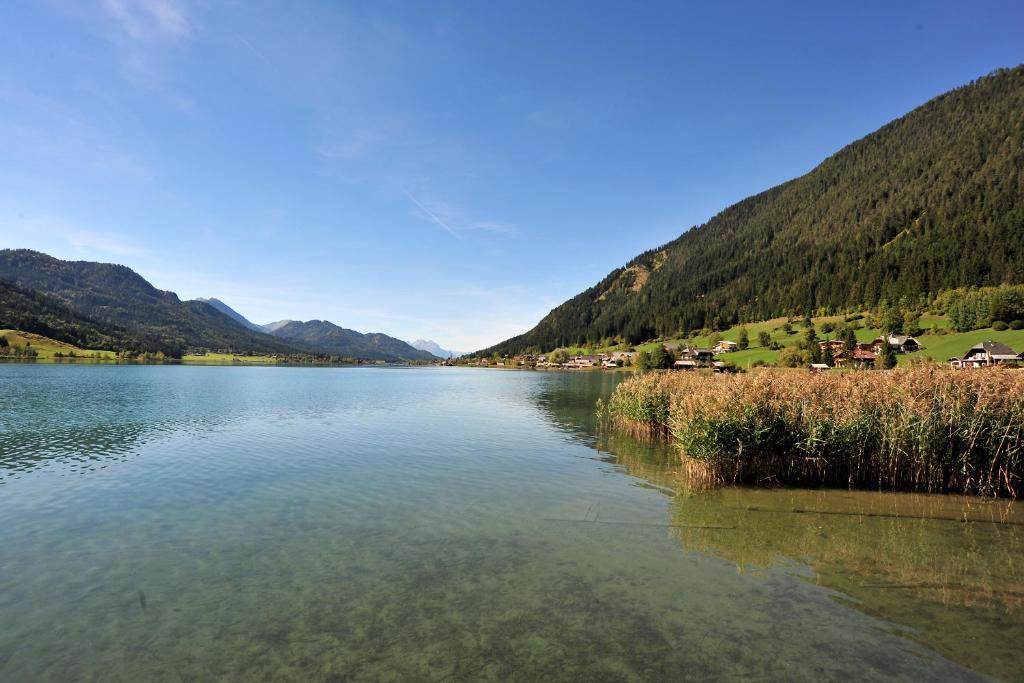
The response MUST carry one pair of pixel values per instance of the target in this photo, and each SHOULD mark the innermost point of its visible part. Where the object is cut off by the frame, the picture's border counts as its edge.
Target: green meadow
(938, 346)
(51, 349)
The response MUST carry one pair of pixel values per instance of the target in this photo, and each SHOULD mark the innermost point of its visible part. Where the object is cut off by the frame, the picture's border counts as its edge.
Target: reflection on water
(948, 568)
(167, 523)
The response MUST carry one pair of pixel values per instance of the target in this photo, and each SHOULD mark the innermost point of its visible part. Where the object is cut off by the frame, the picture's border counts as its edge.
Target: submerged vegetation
(919, 429)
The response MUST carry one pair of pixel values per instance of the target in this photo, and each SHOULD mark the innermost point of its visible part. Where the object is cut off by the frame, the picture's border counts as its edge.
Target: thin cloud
(146, 20)
(494, 226)
(430, 215)
(442, 218)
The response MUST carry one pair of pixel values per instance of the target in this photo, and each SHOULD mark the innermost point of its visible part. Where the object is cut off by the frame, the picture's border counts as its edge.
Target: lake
(430, 524)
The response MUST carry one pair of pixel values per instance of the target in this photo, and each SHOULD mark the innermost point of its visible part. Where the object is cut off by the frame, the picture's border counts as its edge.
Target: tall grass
(921, 429)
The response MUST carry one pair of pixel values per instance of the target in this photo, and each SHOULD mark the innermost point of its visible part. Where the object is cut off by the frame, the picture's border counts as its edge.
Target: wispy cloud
(445, 216)
(148, 20)
(58, 235)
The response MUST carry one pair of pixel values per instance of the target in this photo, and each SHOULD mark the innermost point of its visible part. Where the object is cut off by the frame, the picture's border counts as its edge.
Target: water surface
(240, 523)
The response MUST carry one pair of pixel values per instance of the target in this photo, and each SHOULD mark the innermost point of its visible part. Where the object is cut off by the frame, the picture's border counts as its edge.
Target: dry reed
(920, 429)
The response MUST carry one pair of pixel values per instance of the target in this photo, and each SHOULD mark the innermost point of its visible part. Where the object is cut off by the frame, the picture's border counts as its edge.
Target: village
(835, 353)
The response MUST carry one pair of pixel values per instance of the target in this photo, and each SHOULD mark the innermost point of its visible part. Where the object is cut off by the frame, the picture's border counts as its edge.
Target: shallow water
(196, 523)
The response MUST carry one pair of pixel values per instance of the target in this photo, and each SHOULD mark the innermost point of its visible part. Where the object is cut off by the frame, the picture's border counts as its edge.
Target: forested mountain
(931, 201)
(115, 296)
(324, 337)
(232, 313)
(29, 311)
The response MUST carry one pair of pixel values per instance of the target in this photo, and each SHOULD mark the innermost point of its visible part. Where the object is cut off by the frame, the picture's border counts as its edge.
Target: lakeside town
(830, 354)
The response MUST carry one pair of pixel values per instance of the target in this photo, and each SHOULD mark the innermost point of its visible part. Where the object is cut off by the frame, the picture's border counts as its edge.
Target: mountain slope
(29, 311)
(931, 201)
(434, 348)
(116, 296)
(323, 337)
(232, 313)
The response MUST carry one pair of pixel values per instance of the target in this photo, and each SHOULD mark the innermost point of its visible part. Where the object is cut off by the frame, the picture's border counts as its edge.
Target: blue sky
(439, 170)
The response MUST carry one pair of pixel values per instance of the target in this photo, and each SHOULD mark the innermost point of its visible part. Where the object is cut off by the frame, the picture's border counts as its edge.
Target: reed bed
(919, 429)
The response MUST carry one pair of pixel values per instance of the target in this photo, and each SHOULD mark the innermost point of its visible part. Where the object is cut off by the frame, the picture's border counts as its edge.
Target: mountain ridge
(231, 313)
(324, 336)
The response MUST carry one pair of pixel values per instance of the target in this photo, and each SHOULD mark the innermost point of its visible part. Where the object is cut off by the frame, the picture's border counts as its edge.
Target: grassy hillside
(48, 349)
(939, 347)
(929, 202)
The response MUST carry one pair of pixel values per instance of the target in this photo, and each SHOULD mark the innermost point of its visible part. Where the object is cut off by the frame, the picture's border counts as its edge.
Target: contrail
(430, 214)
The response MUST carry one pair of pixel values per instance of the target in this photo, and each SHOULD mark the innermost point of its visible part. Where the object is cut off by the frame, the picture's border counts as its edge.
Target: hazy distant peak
(433, 347)
(274, 326)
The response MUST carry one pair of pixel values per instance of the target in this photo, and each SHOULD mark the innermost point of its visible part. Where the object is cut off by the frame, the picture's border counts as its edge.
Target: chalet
(818, 367)
(859, 358)
(622, 356)
(986, 354)
(899, 343)
(699, 355)
(837, 345)
(725, 346)
(685, 364)
(584, 362)
(610, 363)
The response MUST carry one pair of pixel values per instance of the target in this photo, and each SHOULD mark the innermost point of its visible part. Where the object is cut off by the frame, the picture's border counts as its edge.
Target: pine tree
(744, 342)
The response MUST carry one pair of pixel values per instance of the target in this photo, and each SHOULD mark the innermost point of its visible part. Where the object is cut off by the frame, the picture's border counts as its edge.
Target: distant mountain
(929, 202)
(274, 326)
(324, 337)
(232, 313)
(433, 347)
(114, 296)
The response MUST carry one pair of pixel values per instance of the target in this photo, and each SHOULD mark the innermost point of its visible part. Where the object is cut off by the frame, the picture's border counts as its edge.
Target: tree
(811, 337)
(3, 342)
(660, 358)
(849, 338)
(826, 356)
(764, 339)
(787, 327)
(714, 339)
(891, 321)
(791, 357)
(888, 354)
(642, 361)
(744, 341)
(559, 356)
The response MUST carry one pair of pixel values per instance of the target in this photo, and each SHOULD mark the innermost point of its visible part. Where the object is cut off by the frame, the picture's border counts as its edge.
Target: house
(584, 362)
(837, 345)
(986, 354)
(818, 367)
(699, 355)
(685, 365)
(859, 358)
(725, 346)
(610, 363)
(900, 343)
